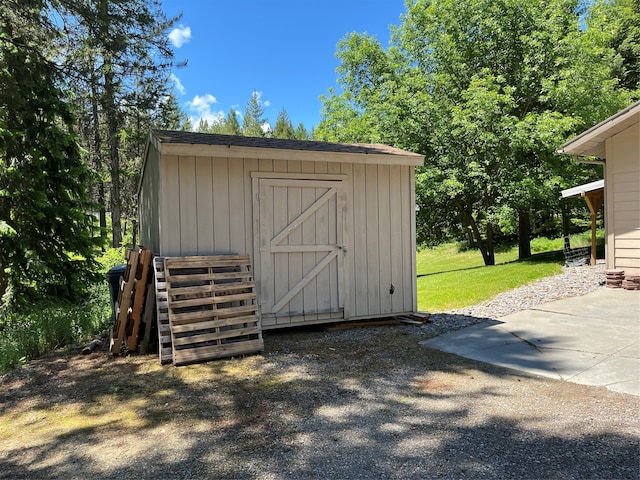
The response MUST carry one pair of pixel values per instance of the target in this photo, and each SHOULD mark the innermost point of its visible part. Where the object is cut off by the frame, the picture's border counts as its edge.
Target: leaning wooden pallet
(138, 300)
(212, 307)
(124, 303)
(165, 349)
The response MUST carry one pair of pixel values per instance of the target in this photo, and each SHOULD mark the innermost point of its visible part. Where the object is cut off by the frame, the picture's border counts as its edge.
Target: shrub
(50, 325)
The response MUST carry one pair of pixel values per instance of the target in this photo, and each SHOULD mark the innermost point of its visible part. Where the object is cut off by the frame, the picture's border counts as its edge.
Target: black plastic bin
(113, 277)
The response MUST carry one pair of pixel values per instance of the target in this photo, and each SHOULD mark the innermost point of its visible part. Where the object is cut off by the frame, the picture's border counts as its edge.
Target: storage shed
(616, 141)
(330, 227)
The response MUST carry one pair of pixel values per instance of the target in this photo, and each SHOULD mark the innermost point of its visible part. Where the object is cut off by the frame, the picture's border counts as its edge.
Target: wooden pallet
(212, 307)
(131, 304)
(139, 297)
(124, 303)
(165, 348)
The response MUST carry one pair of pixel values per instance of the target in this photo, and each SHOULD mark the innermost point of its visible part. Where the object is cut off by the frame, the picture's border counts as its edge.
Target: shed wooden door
(300, 246)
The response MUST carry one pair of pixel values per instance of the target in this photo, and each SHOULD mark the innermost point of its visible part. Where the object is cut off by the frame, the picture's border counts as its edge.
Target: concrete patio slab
(593, 339)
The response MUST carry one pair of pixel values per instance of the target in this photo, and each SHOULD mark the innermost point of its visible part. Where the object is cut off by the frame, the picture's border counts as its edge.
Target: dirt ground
(360, 403)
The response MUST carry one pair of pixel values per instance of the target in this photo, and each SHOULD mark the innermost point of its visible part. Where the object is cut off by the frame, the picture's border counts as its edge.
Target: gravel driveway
(365, 403)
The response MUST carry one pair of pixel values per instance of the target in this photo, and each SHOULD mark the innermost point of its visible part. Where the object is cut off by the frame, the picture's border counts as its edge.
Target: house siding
(623, 200)
(149, 203)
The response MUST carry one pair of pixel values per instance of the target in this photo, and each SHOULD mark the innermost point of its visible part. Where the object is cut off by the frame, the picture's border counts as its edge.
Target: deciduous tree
(487, 90)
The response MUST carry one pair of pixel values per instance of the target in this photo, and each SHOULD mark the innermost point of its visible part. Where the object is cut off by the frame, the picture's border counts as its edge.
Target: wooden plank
(207, 277)
(360, 275)
(309, 257)
(294, 259)
(170, 211)
(221, 206)
(384, 238)
(372, 241)
(279, 276)
(397, 239)
(236, 226)
(213, 289)
(203, 301)
(188, 206)
(183, 357)
(217, 323)
(204, 204)
(264, 204)
(324, 227)
(178, 318)
(209, 337)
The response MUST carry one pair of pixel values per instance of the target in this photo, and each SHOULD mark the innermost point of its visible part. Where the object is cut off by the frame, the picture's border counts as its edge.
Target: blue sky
(284, 50)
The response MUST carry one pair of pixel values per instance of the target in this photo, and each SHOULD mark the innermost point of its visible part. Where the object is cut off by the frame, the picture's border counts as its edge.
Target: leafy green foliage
(50, 325)
(487, 90)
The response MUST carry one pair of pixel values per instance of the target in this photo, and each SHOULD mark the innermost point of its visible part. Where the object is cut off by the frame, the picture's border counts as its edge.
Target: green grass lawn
(450, 279)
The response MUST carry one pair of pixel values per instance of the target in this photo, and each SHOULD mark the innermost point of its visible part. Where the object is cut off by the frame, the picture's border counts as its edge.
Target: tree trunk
(490, 257)
(524, 234)
(114, 156)
(485, 246)
(99, 164)
(110, 109)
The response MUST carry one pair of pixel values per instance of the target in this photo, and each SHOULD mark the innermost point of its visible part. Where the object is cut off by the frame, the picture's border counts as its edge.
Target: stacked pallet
(614, 278)
(130, 309)
(165, 349)
(212, 307)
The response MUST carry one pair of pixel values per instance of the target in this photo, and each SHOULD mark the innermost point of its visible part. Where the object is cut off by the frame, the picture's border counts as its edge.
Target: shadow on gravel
(365, 403)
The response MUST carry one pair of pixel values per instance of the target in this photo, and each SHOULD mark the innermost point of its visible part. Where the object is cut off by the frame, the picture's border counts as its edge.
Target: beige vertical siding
(206, 206)
(623, 200)
(380, 219)
(148, 202)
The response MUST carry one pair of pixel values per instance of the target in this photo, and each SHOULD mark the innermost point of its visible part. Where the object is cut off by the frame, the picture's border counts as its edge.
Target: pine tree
(169, 115)
(232, 126)
(254, 120)
(301, 133)
(284, 127)
(46, 246)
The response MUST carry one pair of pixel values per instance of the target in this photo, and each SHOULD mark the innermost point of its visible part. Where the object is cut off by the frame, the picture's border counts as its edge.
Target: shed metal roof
(592, 141)
(242, 142)
(581, 190)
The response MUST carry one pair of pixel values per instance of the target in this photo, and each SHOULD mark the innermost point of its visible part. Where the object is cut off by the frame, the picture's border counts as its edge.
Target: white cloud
(201, 108)
(202, 103)
(180, 35)
(178, 84)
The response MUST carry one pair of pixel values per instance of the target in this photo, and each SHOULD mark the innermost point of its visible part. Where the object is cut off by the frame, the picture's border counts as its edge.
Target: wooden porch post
(594, 202)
